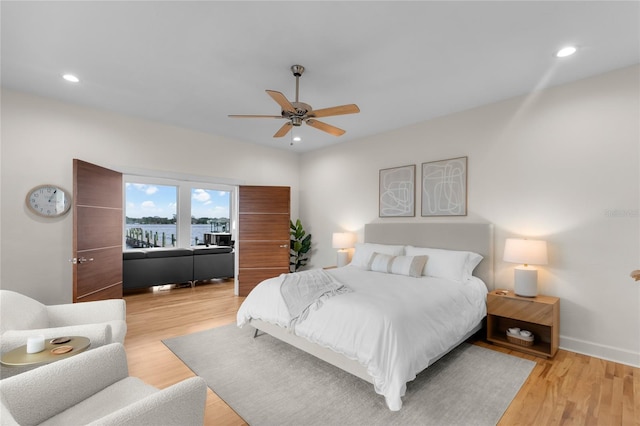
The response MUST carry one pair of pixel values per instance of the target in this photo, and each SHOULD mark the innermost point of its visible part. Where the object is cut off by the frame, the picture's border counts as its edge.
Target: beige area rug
(268, 382)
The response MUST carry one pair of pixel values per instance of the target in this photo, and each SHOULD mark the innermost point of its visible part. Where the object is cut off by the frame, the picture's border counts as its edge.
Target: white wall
(40, 137)
(560, 165)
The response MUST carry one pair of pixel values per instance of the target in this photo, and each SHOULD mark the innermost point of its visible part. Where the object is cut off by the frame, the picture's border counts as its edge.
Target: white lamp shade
(342, 240)
(525, 252)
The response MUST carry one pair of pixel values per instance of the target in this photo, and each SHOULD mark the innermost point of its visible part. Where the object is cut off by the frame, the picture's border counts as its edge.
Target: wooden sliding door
(97, 232)
(263, 234)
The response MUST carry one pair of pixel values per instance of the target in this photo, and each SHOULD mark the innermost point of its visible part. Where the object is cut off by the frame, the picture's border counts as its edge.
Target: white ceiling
(191, 64)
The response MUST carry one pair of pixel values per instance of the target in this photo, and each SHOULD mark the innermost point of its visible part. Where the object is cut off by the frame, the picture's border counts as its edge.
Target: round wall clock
(48, 200)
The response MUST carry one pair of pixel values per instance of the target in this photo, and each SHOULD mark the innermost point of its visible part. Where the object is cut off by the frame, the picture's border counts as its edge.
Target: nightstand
(540, 315)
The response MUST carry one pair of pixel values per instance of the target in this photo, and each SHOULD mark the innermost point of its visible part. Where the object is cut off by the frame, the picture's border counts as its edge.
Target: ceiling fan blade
(253, 116)
(282, 101)
(337, 110)
(283, 130)
(325, 127)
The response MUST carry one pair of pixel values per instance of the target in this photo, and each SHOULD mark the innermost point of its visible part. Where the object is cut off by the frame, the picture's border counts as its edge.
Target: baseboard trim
(605, 352)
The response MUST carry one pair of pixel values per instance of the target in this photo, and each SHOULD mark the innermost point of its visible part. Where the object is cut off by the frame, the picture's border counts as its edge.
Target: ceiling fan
(298, 112)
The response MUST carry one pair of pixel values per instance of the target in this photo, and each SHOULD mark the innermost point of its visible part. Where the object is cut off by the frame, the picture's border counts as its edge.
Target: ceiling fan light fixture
(296, 121)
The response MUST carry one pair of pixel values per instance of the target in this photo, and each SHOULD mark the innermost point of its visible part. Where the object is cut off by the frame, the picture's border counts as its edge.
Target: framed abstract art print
(444, 187)
(397, 191)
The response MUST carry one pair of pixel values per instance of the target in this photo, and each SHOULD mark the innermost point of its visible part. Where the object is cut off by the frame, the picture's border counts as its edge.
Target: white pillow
(399, 265)
(409, 265)
(454, 265)
(473, 260)
(363, 252)
(381, 262)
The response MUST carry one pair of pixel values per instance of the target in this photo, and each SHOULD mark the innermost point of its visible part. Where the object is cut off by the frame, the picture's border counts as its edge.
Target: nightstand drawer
(520, 309)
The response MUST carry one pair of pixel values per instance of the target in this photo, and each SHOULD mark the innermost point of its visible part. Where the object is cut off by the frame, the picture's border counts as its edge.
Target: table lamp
(342, 241)
(526, 253)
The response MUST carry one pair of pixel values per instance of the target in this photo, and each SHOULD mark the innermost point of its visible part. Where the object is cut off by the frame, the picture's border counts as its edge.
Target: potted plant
(300, 244)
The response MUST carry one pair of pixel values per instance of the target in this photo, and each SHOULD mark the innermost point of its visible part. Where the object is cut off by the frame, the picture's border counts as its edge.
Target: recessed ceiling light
(566, 51)
(71, 78)
(297, 138)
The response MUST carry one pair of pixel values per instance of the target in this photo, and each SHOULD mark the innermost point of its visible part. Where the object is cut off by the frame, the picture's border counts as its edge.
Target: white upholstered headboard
(476, 237)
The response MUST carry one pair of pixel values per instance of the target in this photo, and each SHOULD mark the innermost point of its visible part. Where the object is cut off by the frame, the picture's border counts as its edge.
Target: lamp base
(526, 281)
(343, 258)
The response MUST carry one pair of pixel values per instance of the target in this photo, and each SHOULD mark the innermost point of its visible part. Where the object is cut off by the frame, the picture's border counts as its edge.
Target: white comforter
(394, 325)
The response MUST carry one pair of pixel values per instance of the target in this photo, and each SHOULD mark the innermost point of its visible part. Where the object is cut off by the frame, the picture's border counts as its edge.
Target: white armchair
(94, 388)
(103, 322)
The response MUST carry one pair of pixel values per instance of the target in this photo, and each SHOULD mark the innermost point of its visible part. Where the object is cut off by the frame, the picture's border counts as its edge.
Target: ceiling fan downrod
(297, 72)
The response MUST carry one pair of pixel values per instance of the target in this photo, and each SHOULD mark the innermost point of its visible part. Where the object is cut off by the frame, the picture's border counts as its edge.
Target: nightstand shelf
(540, 315)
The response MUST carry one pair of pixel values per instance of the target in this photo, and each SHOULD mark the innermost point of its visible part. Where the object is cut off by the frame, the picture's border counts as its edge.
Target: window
(174, 213)
(209, 213)
(150, 215)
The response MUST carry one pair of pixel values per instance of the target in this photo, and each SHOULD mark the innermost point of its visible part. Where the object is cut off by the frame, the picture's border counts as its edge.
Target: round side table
(19, 356)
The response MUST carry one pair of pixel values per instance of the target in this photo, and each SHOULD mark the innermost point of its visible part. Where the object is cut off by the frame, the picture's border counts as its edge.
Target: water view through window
(150, 212)
(152, 218)
(209, 213)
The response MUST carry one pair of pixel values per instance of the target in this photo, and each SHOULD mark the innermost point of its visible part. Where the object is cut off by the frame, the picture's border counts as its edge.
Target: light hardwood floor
(570, 389)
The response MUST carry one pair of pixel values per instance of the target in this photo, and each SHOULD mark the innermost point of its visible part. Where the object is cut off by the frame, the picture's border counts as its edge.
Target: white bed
(389, 326)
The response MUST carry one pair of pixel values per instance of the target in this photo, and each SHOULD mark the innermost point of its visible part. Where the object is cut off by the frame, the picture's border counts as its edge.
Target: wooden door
(263, 234)
(97, 232)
